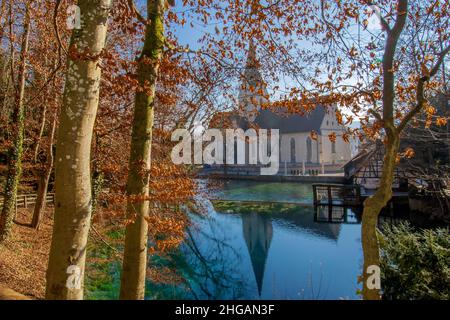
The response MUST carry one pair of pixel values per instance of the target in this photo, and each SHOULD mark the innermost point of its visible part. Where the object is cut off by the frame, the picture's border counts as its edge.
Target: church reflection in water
(258, 231)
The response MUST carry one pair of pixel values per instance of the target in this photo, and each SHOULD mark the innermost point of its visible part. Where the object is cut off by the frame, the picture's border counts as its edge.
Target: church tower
(253, 91)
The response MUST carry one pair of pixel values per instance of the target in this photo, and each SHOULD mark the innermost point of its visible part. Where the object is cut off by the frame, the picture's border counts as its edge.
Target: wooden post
(330, 213)
(315, 194)
(330, 200)
(358, 194)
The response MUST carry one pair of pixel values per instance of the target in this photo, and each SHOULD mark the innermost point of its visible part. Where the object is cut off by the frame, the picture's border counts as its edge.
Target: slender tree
(135, 254)
(393, 130)
(16, 150)
(44, 177)
(387, 93)
(65, 273)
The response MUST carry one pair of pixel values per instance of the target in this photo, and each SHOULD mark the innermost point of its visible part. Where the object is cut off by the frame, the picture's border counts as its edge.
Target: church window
(293, 159)
(308, 150)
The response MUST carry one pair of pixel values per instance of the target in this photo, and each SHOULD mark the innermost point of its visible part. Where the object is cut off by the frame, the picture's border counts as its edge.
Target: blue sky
(189, 35)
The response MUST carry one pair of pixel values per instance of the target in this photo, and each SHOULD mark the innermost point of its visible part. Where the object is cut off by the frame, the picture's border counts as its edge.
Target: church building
(299, 152)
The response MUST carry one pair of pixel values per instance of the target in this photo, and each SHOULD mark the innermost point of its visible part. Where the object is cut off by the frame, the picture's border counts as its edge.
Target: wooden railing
(337, 194)
(27, 200)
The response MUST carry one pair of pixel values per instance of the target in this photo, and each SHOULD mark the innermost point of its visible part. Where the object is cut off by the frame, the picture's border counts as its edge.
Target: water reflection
(261, 250)
(258, 232)
(337, 214)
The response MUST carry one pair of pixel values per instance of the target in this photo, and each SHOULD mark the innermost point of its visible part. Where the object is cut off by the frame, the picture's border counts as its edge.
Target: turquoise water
(270, 255)
(271, 252)
(266, 191)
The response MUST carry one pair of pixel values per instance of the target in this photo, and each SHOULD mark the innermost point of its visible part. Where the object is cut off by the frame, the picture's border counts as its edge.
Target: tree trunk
(372, 208)
(2, 19)
(135, 254)
(374, 204)
(65, 273)
(15, 153)
(44, 178)
(97, 187)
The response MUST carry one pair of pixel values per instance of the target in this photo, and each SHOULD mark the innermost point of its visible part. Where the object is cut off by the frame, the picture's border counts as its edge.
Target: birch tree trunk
(65, 273)
(15, 153)
(135, 254)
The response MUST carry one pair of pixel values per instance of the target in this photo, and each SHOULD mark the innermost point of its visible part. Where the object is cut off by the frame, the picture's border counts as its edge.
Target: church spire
(251, 56)
(253, 90)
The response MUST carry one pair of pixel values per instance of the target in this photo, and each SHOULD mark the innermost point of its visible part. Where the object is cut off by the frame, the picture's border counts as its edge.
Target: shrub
(415, 264)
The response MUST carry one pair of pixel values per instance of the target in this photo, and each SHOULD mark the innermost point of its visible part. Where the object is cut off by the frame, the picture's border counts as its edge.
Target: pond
(248, 249)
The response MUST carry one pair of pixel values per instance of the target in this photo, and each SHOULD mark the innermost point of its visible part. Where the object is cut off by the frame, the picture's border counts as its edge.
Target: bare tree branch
(420, 90)
(136, 12)
(388, 66)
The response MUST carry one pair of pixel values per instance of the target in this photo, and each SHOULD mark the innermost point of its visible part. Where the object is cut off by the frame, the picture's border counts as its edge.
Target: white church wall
(300, 139)
(343, 151)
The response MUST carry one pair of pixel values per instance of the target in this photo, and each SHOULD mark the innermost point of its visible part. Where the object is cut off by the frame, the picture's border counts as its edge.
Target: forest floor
(24, 256)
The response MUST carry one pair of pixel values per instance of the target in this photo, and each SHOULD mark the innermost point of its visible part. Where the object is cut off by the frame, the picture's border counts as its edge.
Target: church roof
(289, 123)
(269, 119)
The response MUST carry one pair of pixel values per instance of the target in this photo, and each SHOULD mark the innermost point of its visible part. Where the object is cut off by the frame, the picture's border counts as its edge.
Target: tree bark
(372, 208)
(135, 253)
(65, 273)
(15, 153)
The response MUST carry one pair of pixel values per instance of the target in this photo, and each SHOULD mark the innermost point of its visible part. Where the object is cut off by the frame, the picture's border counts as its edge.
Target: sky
(189, 35)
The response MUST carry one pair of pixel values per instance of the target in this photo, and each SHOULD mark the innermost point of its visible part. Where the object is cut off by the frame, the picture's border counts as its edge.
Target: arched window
(308, 150)
(333, 147)
(293, 159)
(235, 151)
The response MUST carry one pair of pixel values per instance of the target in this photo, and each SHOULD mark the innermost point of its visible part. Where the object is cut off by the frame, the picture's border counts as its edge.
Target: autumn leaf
(346, 137)
(441, 121)
(332, 137)
(409, 153)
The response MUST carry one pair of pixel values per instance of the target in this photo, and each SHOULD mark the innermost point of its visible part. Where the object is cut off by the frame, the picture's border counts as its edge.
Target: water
(258, 251)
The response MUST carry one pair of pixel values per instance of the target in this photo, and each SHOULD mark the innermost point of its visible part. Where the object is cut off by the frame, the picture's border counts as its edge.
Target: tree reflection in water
(252, 250)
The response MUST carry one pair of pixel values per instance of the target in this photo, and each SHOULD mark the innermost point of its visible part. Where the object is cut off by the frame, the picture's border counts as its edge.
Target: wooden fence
(27, 200)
